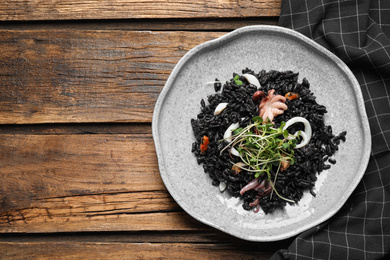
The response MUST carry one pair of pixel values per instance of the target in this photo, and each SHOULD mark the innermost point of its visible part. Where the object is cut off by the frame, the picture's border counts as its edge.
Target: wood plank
(207, 237)
(71, 250)
(77, 129)
(62, 76)
(97, 182)
(210, 236)
(181, 24)
(141, 211)
(81, 164)
(16, 10)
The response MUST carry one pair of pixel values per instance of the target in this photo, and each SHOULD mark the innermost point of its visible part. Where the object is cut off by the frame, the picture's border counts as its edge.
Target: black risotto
(310, 160)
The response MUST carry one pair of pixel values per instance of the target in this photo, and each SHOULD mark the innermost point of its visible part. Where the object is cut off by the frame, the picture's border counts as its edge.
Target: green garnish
(237, 80)
(262, 146)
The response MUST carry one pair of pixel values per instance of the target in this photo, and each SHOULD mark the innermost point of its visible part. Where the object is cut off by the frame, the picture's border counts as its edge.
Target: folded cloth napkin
(357, 31)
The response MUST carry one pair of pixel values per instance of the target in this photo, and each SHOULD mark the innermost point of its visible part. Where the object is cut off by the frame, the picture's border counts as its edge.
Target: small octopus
(271, 106)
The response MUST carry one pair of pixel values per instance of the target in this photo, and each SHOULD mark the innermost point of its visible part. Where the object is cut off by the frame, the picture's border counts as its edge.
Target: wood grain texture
(209, 236)
(69, 250)
(93, 182)
(78, 84)
(64, 76)
(77, 129)
(169, 24)
(12, 10)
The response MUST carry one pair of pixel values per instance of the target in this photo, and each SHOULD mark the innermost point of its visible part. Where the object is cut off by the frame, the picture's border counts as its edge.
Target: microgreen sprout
(261, 146)
(237, 80)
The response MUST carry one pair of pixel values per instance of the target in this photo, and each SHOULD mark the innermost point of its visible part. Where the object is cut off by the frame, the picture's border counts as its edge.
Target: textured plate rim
(309, 43)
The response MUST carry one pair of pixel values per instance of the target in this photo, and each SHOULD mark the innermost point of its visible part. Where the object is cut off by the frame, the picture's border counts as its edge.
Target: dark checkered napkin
(358, 32)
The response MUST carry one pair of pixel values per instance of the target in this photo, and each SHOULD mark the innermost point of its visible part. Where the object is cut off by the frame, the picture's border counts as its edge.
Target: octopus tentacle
(272, 105)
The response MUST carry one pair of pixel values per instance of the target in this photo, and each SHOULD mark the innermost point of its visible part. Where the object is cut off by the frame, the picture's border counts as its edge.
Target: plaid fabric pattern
(358, 32)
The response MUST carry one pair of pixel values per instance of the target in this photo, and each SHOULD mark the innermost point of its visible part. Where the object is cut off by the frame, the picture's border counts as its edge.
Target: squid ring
(306, 134)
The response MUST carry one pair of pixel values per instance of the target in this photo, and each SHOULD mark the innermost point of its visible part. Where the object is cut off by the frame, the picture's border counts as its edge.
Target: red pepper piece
(204, 144)
(291, 95)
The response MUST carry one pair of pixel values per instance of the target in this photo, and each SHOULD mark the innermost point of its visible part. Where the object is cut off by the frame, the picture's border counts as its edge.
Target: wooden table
(78, 83)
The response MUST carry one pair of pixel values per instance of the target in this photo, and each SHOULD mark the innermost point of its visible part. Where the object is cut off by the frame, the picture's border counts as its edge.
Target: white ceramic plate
(259, 47)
